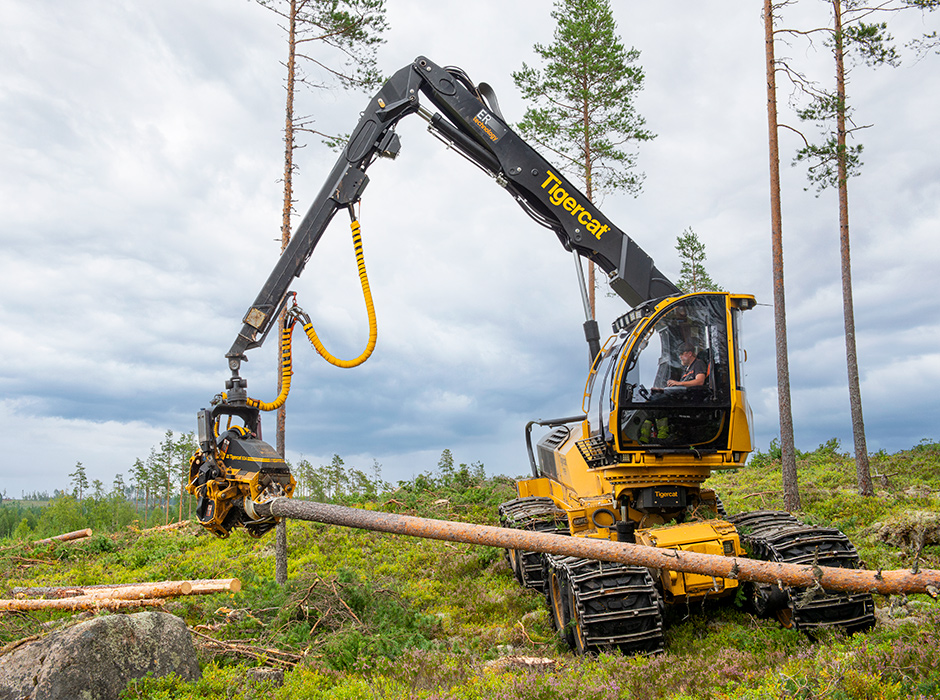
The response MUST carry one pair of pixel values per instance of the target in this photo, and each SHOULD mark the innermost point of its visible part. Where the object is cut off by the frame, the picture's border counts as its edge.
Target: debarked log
(203, 586)
(107, 596)
(804, 576)
(80, 603)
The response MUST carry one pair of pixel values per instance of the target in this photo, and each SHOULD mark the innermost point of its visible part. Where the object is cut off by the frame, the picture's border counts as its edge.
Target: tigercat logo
(560, 198)
(667, 494)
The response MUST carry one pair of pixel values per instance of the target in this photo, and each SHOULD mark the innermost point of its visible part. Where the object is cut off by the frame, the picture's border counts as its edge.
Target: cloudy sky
(139, 212)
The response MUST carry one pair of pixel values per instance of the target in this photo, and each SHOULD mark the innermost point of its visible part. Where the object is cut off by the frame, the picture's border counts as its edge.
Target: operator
(694, 374)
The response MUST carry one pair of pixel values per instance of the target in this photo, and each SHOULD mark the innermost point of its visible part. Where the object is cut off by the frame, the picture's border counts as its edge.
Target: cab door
(674, 384)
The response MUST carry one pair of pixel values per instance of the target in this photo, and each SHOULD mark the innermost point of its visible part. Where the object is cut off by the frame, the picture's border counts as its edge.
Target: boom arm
(471, 123)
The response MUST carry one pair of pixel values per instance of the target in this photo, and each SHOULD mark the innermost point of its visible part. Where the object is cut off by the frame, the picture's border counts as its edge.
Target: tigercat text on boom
(560, 198)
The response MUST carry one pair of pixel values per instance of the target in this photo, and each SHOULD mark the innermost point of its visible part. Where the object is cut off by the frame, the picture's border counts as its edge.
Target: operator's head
(686, 353)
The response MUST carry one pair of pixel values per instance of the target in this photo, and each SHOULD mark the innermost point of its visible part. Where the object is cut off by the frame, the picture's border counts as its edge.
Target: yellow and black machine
(663, 407)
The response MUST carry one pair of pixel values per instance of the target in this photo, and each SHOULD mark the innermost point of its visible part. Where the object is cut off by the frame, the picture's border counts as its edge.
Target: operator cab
(666, 380)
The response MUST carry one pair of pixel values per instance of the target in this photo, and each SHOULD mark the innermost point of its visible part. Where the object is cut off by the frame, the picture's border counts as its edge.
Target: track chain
(537, 514)
(599, 605)
(778, 536)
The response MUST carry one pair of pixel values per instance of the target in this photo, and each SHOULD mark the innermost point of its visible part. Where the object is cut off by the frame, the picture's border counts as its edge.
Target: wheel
(559, 602)
(785, 618)
(579, 645)
(515, 564)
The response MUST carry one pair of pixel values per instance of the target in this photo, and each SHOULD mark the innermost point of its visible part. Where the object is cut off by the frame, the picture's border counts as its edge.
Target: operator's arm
(697, 380)
(692, 377)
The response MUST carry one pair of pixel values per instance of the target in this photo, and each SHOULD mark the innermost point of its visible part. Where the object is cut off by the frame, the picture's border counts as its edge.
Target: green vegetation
(372, 615)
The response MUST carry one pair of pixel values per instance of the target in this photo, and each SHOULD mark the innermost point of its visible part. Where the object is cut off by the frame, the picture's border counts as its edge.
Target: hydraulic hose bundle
(295, 314)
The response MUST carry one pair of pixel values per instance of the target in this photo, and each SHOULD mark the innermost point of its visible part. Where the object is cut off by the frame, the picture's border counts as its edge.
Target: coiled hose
(295, 313)
(370, 310)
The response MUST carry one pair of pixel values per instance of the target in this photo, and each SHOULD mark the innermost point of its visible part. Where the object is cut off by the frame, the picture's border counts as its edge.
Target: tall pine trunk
(280, 545)
(862, 468)
(791, 492)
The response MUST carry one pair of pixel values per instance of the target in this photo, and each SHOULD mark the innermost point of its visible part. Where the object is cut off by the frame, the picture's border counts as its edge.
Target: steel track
(537, 514)
(604, 605)
(595, 605)
(778, 536)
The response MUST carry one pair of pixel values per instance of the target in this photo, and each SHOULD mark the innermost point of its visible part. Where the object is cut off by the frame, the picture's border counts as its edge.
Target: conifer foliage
(693, 276)
(583, 96)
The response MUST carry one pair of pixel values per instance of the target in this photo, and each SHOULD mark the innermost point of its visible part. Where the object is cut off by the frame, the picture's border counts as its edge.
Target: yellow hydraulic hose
(370, 309)
(296, 312)
(286, 372)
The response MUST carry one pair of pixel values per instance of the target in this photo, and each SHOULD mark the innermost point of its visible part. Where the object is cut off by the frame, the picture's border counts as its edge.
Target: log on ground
(66, 537)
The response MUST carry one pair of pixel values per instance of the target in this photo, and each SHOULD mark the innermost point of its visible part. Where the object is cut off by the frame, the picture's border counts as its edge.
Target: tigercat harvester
(664, 404)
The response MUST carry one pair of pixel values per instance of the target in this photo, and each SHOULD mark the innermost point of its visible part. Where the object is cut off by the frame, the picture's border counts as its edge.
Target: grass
(378, 616)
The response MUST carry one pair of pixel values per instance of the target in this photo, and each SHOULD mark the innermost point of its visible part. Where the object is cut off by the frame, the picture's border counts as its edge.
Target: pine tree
(445, 466)
(583, 97)
(693, 276)
(139, 480)
(830, 164)
(79, 480)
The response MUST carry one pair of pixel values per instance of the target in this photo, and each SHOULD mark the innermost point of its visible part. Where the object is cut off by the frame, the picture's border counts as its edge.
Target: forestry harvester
(664, 406)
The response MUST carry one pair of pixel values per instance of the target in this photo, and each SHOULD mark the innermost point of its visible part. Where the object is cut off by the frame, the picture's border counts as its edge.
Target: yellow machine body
(642, 452)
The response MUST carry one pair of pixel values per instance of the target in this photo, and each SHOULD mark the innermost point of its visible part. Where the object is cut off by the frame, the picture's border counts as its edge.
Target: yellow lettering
(560, 198)
(486, 129)
(551, 178)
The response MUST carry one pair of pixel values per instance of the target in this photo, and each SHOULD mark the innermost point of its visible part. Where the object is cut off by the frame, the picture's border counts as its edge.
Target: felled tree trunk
(829, 578)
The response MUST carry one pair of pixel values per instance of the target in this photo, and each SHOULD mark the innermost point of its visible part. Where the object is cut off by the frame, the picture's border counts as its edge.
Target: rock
(274, 676)
(95, 660)
(909, 529)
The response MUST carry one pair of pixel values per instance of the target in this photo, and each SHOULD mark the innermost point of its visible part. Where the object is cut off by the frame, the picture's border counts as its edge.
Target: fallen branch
(345, 605)
(50, 562)
(67, 537)
(290, 660)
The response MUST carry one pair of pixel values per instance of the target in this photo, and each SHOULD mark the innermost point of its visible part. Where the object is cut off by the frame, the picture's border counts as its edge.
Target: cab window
(675, 387)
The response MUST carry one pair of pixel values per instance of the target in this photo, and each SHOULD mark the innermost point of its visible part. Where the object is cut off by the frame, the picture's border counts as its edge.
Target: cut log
(80, 603)
(126, 591)
(163, 589)
(67, 537)
(805, 576)
(206, 586)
